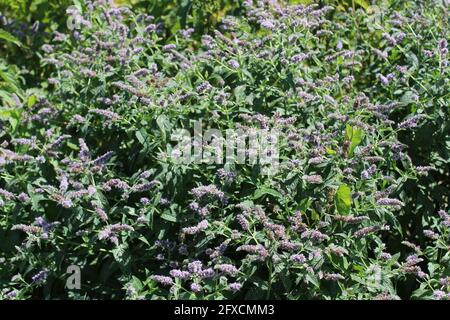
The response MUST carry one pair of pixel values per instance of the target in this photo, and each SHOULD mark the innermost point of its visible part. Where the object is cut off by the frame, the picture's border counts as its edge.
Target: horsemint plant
(89, 179)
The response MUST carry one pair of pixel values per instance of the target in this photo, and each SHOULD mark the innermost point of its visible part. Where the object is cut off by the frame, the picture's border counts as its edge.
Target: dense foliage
(359, 208)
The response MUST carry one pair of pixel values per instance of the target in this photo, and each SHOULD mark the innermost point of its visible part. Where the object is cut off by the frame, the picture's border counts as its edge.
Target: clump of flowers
(356, 208)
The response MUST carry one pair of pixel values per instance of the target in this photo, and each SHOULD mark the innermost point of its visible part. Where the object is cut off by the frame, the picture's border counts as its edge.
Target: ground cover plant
(358, 207)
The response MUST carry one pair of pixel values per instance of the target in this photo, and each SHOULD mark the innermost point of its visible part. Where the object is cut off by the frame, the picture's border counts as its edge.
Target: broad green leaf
(362, 3)
(315, 215)
(263, 191)
(141, 135)
(343, 199)
(311, 278)
(9, 113)
(407, 98)
(239, 93)
(144, 240)
(163, 125)
(31, 100)
(168, 217)
(354, 135)
(13, 122)
(73, 146)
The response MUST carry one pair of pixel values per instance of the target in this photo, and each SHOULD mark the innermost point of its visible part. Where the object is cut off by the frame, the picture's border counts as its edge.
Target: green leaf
(263, 191)
(141, 135)
(31, 100)
(315, 215)
(73, 146)
(330, 151)
(12, 116)
(354, 135)
(163, 125)
(311, 278)
(343, 199)
(14, 123)
(362, 3)
(137, 284)
(144, 240)
(239, 93)
(407, 98)
(168, 217)
(8, 37)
